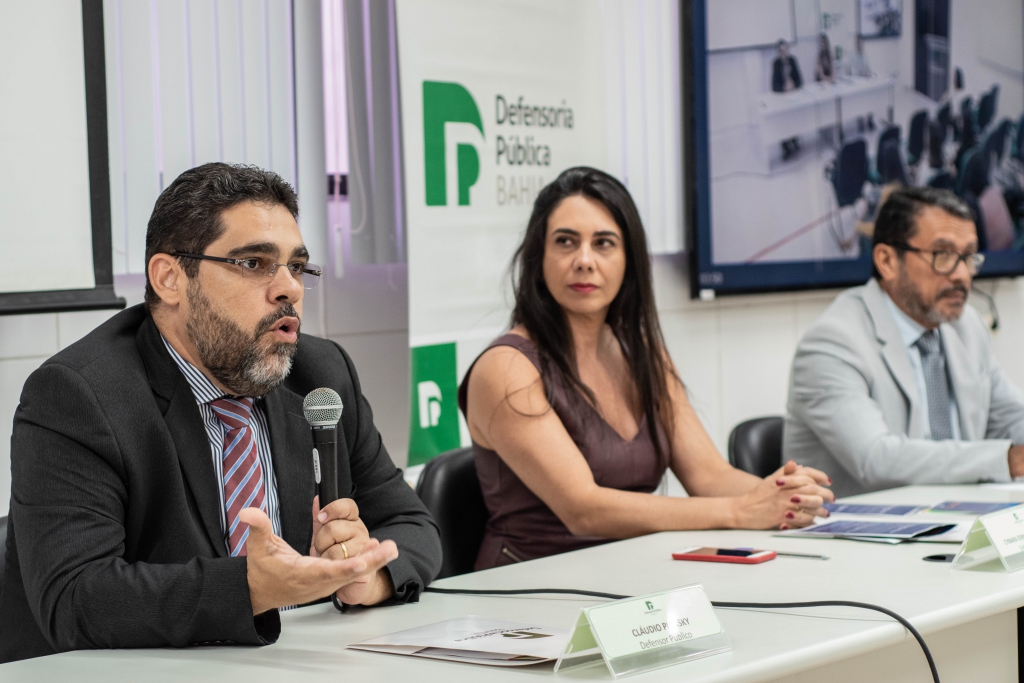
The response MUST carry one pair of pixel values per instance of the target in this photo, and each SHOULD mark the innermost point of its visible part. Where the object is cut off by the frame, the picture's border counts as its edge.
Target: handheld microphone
(322, 409)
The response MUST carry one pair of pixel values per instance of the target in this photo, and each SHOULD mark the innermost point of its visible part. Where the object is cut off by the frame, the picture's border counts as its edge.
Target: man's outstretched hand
(279, 576)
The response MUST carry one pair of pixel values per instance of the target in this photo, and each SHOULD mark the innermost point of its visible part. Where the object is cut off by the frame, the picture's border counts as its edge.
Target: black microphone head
(322, 407)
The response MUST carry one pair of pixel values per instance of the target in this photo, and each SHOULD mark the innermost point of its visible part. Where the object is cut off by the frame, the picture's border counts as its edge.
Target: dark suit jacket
(778, 78)
(114, 537)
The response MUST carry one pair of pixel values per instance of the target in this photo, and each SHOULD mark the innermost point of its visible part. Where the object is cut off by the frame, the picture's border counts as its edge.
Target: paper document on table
(870, 529)
(476, 640)
(971, 507)
(859, 509)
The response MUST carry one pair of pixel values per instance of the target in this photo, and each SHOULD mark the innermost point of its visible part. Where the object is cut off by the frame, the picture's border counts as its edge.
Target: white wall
(733, 353)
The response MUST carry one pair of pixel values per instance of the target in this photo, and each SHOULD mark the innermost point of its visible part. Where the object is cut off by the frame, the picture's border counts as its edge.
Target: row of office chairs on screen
(448, 486)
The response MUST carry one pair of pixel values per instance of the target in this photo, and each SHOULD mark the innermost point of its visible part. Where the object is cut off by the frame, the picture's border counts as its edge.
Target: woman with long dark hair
(576, 413)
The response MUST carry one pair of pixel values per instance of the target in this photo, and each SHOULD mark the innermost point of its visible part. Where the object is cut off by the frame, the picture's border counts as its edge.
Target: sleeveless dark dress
(520, 526)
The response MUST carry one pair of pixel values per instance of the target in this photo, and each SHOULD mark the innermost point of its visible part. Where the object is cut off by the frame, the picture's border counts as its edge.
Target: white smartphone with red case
(731, 555)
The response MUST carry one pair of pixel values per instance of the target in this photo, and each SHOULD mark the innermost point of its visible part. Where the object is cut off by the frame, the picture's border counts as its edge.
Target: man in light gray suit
(896, 383)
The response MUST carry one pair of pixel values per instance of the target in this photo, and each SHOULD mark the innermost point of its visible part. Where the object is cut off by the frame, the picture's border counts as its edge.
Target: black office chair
(890, 133)
(1018, 141)
(974, 172)
(968, 123)
(943, 181)
(945, 117)
(936, 140)
(3, 547)
(850, 172)
(986, 110)
(995, 143)
(991, 109)
(448, 486)
(890, 164)
(755, 446)
(915, 139)
(970, 184)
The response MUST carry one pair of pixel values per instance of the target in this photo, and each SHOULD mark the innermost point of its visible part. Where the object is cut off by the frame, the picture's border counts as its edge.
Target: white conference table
(967, 617)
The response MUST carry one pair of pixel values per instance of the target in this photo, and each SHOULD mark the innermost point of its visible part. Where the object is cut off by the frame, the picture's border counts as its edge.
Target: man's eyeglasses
(945, 261)
(262, 269)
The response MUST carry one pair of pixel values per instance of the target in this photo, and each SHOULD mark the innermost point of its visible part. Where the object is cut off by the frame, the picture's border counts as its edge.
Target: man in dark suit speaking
(162, 472)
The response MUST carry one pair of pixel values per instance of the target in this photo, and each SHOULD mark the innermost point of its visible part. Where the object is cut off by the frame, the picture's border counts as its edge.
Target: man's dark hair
(897, 219)
(187, 215)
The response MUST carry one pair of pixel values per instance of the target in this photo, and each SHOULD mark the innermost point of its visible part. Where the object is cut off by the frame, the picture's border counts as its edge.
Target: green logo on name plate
(434, 409)
(445, 103)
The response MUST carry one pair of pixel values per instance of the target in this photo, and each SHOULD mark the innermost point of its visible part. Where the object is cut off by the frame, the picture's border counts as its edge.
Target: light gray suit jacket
(854, 412)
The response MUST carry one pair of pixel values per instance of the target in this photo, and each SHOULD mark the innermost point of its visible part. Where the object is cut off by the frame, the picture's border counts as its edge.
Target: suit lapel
(965, 384)
(185, 425)
(894, 352)
(291, 448)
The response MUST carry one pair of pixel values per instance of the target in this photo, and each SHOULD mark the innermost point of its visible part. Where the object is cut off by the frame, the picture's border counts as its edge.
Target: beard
(921, 309)
(240, 361)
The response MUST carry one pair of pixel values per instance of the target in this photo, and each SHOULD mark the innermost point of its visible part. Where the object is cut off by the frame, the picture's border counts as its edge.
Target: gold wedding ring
(344, 550)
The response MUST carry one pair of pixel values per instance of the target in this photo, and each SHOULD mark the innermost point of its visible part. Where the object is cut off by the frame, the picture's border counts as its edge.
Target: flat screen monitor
(797, 140)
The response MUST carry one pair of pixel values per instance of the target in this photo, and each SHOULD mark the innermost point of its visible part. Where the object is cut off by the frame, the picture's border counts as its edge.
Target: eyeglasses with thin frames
(945, 261)
(259, 269)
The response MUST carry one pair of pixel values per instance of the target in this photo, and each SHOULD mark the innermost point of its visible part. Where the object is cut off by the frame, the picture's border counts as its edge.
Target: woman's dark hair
(186, 217)
(632, 316)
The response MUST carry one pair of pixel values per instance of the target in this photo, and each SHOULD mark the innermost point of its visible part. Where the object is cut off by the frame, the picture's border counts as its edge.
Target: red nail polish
(780, 482)
(789, 515)
(783, 526)
(794, 499)
(830, 480)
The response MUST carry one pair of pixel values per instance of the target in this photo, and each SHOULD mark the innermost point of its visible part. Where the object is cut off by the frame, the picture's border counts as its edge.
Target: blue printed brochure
(868, 530)
(856, 509)
(970, 507)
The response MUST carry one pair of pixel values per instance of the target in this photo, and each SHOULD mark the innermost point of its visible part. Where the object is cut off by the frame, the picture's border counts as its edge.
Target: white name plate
(995, 535)
(649, 632)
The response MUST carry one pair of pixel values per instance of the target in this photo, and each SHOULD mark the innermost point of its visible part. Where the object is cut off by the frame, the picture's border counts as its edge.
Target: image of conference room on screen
(817, 108)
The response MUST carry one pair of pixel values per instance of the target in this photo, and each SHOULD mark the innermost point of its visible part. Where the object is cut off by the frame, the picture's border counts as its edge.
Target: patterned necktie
(240, 468)
(933, 363)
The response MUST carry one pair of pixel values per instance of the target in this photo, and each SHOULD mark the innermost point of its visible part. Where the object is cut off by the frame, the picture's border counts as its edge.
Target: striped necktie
(241, 473)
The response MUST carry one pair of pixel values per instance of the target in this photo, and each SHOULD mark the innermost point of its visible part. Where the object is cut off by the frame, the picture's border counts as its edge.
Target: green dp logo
(650, 605)
(434, 416)
(445, 103)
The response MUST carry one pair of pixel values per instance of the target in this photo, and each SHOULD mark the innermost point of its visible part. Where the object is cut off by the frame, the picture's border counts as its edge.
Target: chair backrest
(915, 139)
(755, 446)
(1018, 147)
(449, 487)
(995, 144)
(851, 172)
(943, 180)
(890, 133)
(986, 110)
(890, 164)
(3, 548)
(936, 139)
(968, 129)
(974, 173)
(944, 116)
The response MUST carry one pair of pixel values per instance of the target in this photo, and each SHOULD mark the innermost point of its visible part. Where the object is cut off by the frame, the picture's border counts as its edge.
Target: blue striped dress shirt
(205, 391)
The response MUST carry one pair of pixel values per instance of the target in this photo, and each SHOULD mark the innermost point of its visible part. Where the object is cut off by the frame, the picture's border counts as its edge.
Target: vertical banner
(497, 99)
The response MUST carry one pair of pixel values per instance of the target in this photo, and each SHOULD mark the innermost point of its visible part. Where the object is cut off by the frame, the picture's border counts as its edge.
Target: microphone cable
(735, 605)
